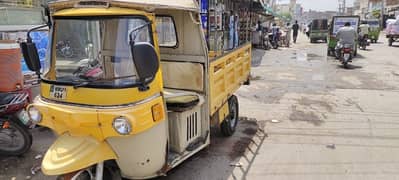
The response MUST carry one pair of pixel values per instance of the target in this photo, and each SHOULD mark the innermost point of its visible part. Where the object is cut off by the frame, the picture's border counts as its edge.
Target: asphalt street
(303, 117)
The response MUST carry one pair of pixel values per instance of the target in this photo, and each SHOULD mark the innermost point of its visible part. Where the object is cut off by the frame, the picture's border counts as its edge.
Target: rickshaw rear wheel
(229, 124)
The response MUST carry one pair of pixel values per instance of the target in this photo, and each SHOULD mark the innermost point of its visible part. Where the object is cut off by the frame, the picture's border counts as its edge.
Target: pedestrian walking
(288, 35)
(295, 29)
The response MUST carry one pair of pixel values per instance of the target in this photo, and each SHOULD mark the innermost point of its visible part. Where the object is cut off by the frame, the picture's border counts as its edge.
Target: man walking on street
(295, 29)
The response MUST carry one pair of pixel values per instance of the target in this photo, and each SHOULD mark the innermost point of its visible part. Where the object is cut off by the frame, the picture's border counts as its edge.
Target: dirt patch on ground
(240, 147)
(308, 102)
(250, 131)
(309, 116)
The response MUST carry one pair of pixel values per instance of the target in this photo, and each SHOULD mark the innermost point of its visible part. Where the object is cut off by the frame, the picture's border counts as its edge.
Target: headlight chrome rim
(122, 125)
(34, 115)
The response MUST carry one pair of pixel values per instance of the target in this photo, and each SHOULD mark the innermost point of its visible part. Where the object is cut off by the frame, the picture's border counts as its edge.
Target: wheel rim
(233, 115)
(11, 139)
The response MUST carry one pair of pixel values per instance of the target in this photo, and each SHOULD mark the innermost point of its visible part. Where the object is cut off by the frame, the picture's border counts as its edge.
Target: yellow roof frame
(146, 5)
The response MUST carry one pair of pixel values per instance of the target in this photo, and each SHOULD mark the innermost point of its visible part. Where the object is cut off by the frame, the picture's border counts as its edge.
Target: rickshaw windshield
(373, 23)
(320, 24)
(96, 50)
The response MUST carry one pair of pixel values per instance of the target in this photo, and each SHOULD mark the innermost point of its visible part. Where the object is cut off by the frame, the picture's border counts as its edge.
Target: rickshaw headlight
(122, 125)
(34, 114)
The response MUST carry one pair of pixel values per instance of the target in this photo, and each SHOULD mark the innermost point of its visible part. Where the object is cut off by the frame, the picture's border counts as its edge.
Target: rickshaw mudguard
(68, 154)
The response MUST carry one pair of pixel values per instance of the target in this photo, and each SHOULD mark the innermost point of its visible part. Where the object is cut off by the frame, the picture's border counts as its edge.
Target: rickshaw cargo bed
(227, 74)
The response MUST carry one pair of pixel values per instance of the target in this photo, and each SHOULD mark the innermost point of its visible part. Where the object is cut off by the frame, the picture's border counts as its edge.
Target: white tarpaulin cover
(189, 5)
(174, 4)
(392, 26)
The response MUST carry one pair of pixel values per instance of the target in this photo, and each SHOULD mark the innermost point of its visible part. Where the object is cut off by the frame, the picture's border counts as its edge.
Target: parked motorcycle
(274, 40)
(64, 49)
(266, 41)
(345, 54)
(15, 138)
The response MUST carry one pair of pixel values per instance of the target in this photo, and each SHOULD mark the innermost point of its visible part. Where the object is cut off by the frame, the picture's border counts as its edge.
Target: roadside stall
(260, 13)
(226, 24)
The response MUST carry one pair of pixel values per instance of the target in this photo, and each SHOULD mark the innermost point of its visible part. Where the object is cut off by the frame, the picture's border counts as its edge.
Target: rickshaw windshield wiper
(82, 84)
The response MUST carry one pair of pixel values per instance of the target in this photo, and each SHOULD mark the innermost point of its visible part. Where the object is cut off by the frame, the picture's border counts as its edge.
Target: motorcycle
(15, 138)
(346, 54)
(64, 49)
(364, 42)
(266, 40)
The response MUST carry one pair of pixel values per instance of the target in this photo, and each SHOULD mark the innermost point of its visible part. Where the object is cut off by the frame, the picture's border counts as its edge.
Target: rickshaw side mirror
(145, 59)
(31, 56)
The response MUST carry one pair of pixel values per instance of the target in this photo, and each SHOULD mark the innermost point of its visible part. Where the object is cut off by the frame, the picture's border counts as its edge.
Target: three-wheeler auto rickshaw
(318, 30)
(336, 23)
(139, 95)
(375, 29)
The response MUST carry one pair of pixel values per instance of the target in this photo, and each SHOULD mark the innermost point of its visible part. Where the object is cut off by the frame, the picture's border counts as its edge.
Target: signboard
(339, 22)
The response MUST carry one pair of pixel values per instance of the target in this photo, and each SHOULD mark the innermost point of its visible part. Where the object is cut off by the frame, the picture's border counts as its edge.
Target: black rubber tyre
(390, 42)
(229, 125)
(109, 174)
(26, 138)
(345, 65)
(329, 52)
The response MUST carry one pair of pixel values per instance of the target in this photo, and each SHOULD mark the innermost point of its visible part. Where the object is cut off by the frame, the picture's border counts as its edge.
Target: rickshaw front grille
(184, 128)
(191, 122)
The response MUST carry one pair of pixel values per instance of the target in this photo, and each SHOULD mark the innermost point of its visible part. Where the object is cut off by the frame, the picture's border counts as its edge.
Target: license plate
(346, 56)
(58, 92)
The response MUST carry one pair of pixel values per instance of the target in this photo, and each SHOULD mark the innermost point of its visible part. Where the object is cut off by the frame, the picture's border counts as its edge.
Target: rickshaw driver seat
(180, 101)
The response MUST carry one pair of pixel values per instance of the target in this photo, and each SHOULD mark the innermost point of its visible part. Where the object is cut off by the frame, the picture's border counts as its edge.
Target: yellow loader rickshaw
(137, 93)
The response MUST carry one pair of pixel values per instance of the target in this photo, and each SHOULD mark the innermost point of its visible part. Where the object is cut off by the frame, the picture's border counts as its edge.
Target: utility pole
(341, 7)
(382, 12)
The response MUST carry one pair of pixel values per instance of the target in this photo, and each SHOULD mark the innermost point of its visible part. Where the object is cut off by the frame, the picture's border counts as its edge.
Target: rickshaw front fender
(69, 154)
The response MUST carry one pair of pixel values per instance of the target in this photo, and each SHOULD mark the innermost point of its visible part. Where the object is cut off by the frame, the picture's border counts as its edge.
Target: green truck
(375, 29)
(318, 30)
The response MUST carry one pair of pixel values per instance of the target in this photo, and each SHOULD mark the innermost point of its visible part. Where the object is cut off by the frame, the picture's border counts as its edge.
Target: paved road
(323, 121)
(303, 117)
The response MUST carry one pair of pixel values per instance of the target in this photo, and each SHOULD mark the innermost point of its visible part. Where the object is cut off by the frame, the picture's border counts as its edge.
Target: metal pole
(382, 13)
(99, 171)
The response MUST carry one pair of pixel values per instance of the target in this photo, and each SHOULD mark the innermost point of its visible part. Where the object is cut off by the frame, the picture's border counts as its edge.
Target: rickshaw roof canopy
(189, 5)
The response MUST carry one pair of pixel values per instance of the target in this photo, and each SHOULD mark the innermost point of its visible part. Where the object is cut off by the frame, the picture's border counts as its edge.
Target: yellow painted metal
(96, 122)
(105, 97)
(69, 154)
(223, 112)
(140, 117)
(185, 5)
(114, 11)
(158, 112)
(227, 73)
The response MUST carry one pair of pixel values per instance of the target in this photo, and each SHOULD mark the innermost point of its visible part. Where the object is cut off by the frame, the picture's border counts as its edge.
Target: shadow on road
(257, 57)
(350, 67)
(226, 157)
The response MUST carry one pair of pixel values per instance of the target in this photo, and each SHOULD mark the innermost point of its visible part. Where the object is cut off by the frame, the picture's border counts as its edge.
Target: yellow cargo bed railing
(227, 74)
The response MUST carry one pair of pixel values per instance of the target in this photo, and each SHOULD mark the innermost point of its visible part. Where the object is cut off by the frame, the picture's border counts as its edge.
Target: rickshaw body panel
(72, 153)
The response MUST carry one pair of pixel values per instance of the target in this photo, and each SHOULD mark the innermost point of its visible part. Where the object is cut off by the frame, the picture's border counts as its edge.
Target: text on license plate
(58, 92)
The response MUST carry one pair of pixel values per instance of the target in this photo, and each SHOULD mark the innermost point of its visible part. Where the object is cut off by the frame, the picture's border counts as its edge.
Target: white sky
(319, 5)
